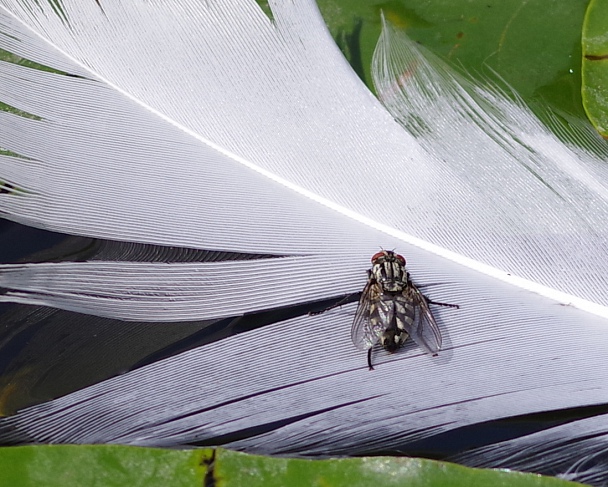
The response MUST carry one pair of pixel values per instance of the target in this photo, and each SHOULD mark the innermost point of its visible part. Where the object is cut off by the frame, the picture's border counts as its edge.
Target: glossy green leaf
(534, 46)
(124, 466)
(595, 65)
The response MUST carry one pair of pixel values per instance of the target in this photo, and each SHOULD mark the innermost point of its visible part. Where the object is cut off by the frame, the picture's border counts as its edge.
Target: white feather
(139, 291)
(207, 125)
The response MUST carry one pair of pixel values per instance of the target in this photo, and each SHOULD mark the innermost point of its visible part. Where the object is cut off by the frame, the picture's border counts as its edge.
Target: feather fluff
(247, 134)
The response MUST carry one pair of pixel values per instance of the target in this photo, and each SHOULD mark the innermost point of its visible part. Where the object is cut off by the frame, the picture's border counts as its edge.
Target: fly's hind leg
(369, 359)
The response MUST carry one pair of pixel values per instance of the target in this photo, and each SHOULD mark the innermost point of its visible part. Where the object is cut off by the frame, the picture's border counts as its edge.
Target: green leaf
(533, 45)
(595, 65)
(237, 469)
(118, 466)
(101, 466)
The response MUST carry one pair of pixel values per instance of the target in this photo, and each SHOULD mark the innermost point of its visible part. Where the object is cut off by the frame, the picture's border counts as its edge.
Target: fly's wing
(367, 327)
(424, 330)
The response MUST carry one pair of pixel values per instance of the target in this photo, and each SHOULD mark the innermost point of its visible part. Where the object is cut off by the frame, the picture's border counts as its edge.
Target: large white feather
(207, 125)
(181, 292)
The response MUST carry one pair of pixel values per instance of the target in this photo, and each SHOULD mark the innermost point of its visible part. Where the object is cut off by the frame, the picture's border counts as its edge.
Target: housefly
(392, 308)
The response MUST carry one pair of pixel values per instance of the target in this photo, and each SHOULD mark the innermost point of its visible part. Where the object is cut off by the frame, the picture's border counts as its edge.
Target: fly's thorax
(391, 275)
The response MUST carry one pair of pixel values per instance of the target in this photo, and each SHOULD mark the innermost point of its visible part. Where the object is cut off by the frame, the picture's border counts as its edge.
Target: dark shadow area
(18, 242)
(443, 446)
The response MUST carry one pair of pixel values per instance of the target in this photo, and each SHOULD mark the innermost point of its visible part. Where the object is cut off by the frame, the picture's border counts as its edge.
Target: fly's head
(388, 270)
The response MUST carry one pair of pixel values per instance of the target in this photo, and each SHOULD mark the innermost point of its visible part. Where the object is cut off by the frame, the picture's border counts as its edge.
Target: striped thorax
(388, 270)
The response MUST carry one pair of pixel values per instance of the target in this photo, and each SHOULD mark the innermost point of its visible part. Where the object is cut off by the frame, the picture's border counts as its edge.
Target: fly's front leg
(344, 300)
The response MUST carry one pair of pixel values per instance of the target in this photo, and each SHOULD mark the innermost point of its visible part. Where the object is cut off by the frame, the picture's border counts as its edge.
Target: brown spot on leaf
(595, 57)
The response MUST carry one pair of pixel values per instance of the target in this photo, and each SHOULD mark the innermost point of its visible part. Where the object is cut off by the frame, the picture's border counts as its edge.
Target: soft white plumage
(206, 125)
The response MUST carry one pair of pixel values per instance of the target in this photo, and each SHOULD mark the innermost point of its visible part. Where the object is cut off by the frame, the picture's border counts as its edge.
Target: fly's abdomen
(397, 318)
(392, 339)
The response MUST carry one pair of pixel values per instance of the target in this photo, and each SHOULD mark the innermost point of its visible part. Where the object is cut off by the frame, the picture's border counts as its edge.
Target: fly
(392, 308)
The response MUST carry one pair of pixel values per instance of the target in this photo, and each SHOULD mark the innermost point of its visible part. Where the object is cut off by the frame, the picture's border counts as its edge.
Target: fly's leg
(429, 301)
(333, 306)
(369, 359)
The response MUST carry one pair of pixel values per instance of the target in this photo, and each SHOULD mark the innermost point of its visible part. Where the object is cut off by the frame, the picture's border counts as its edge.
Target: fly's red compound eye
(400, 258)
(377, 255)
